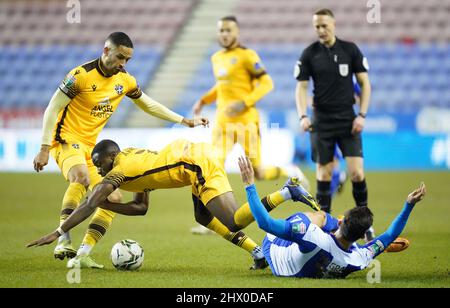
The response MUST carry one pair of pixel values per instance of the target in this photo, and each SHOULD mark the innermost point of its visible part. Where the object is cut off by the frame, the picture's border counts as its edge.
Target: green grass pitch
(30, 204)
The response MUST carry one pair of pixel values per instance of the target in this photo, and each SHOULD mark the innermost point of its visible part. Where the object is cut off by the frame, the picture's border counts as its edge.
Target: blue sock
(334, 182)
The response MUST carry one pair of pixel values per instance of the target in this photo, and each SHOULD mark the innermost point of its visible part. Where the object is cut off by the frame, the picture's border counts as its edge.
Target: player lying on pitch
(181, 163)
(317, 245)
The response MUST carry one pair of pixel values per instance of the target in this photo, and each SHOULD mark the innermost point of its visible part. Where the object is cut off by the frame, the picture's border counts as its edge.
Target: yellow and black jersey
(94, 97)
(143, 170)
(181, 163)
(236, 72)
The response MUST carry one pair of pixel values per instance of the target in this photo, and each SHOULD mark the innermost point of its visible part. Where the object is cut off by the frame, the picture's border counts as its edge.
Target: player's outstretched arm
(156, 109)
(278, 227)
(137, 207)
(98, 196)
(400, 221)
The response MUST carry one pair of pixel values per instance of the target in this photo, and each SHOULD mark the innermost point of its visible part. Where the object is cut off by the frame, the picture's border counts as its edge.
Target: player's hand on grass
(196, 121)
(48, 239)
(247, 173)
(417, 195)
(41, 158)
(235, 108)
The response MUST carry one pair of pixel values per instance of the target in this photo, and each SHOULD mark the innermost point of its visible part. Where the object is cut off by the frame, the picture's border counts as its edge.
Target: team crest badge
(233, 60)
(343, 70)
(118, 88)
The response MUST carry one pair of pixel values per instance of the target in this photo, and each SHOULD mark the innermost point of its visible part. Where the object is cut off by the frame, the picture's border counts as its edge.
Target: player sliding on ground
(316, 245)
(179, 164)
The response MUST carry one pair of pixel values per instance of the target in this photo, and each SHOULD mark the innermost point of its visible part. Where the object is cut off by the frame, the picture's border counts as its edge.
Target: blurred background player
(181, 163)
(241, 81)
(317, 245)
(74, 117)
(331, 63)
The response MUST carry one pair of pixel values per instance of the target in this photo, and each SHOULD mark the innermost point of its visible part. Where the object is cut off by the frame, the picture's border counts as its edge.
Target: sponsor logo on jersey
(94, 87)
(376, 247)
(299, 228)
(221, 72)
(104, 109)
(75, 146)
(118, 88)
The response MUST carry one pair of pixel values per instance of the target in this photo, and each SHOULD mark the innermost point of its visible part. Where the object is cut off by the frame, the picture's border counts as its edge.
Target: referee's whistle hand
(358, 125)
(305, 123)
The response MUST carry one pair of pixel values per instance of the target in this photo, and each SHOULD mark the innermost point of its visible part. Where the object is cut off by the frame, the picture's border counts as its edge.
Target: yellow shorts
(74, 153)
(202, 168)
(226, 135)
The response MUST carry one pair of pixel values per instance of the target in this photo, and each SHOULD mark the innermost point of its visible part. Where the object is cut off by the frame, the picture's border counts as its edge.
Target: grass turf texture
(30, 204)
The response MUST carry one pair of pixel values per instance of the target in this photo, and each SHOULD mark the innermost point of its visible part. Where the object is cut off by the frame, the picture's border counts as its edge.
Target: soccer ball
(127, 255)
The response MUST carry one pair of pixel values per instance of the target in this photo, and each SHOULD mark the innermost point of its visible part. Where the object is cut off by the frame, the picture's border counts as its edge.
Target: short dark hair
(120, 38)
(356, 222)
(105, 147)
(230, 18)
(326, 12)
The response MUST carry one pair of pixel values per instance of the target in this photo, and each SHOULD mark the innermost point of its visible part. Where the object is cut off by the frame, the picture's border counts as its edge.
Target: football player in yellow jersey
(181, 163)
(76, 114)
(241, 81)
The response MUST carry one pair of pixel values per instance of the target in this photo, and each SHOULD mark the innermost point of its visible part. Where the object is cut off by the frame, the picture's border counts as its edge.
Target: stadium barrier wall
(404, 150)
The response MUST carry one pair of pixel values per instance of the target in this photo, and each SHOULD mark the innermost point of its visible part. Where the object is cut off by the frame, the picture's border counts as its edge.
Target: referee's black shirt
(332, 72)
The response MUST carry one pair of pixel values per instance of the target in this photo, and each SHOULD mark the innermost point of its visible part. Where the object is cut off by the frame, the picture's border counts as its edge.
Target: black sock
(360, 193)
(323, 195)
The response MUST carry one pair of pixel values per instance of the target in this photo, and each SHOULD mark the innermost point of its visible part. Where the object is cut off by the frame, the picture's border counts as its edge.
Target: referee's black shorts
(323, 145)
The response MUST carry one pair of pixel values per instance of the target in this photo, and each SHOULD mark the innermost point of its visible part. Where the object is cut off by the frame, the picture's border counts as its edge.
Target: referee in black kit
(331, 63)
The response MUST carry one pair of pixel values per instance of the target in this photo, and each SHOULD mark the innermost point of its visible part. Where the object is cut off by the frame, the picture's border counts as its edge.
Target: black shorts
(323, 145)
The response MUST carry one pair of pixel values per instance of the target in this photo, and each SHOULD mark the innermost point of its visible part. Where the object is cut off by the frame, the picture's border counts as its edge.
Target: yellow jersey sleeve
(210, 96)
(262, 82)
(74, 82)
(118, 173)
(254, 65)
(134, 88)
(114, 177)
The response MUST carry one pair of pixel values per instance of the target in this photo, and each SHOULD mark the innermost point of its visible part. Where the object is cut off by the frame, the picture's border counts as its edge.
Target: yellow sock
(237, 238)
(243, 216)
(272, 173)
(72, 198)
(97, 226)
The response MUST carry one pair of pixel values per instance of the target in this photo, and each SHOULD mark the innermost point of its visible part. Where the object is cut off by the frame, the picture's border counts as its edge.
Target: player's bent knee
(82, 179)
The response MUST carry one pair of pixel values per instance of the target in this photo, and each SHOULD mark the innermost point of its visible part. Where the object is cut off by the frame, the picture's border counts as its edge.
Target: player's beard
(230, 44)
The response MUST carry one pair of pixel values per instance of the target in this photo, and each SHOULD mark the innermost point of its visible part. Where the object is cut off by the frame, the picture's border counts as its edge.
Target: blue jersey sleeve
(277, 227)
(331, 224)
(380, 243)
